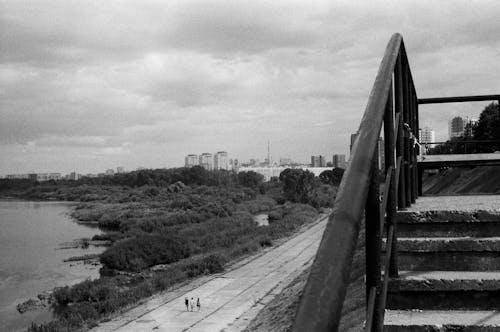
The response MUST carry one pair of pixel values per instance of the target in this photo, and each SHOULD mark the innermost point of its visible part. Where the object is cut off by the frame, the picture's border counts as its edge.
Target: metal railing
(463, 145)
(393, 106)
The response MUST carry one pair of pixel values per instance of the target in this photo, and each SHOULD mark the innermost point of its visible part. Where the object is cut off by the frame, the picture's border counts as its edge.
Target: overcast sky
(89, 85)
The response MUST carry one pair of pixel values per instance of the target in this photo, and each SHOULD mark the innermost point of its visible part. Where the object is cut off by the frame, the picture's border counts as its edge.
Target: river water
(31, 258)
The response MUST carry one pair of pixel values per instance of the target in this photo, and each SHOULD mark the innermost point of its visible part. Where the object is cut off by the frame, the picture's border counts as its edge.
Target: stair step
(445, 281)
(444, 253)
(447, 216)
(448, 223)
(448, 229)
(441, 320)
(426, 244)
(432, 290)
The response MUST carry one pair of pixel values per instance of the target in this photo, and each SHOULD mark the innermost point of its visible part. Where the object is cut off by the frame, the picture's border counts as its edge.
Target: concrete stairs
(449, 280)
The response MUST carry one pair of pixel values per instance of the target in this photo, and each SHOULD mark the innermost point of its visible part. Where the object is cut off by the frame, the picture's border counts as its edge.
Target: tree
(488, 127)
(298, 185)
(250, 179)
(332, 177)
(194, 175)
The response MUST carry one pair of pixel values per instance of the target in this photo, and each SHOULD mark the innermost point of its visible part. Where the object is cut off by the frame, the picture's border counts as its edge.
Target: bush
(323, 196)
(275, 215)
(250, 179)
(298, 185)
(138, 253)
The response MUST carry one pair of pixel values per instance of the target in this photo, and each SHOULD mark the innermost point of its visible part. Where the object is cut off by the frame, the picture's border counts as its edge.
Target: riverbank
(32, 262)
(163, 235)
(229, 299)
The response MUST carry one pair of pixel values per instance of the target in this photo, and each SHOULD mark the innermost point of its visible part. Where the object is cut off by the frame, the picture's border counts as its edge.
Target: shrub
(209, 264)
(275, 215)
(144, 251)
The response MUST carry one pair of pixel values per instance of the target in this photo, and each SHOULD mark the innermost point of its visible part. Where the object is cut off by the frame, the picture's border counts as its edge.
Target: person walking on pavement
(192, 304)
(198, 304)
(186, 302)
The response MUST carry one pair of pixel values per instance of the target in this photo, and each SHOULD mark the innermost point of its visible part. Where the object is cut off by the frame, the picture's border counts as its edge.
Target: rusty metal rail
(393, 105)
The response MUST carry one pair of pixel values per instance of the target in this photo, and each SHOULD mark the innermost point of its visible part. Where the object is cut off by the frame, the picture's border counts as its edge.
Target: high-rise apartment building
(206, 161)
(318, 161)
(314, 161)
(426, 135)
(221, 161)
(456, 127)
(469, 126)
(235, 164)
(191, 160)
(339, 160)
(322, 161)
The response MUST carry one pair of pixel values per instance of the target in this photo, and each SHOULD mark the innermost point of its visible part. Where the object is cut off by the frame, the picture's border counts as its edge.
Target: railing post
(417, 151)
(390, 161)
(410, 138)
(373, 240)
(420, 176)
(413, 156)
(406, 137)
(398, 89)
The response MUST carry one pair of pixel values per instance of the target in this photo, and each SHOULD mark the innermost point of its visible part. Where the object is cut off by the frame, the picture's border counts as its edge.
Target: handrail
(320, 308)
(392, 103)
(460, 99)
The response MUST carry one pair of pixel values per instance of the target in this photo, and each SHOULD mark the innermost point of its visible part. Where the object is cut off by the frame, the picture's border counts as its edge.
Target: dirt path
(229, 300)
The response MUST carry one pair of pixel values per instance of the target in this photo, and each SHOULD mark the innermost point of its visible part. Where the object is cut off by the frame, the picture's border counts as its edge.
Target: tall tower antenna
(268, 154)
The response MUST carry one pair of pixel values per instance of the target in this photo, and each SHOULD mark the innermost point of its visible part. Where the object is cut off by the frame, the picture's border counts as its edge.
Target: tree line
(486, 129)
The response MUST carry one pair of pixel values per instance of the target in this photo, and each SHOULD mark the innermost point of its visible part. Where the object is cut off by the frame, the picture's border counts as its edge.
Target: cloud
(144, 83)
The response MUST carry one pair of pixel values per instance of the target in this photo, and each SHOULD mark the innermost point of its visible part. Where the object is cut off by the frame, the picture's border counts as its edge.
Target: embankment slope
(463, 180)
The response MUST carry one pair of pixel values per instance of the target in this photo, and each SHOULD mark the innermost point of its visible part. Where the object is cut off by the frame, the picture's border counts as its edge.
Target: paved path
(229, 300)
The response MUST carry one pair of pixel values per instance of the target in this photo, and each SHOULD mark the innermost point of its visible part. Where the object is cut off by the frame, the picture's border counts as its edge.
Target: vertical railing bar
(411, 146)
(416, 147)
(390, 143)
(399, 162)
(396, 129)
(383, 204)
(398, 97)
(406, 120)
(385, 283)
(370, 309)
(419, 170)
(373, 237)
(411, 123)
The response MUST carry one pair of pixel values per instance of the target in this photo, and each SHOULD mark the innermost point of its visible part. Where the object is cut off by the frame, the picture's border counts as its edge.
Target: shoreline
(32, 302)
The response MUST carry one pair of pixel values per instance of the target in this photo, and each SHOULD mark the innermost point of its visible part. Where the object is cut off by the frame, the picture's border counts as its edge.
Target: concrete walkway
(229, 300)
(456, 203)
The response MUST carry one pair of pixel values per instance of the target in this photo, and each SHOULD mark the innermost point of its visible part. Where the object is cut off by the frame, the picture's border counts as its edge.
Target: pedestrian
(186, 302)
(198, 304)
(192, 304)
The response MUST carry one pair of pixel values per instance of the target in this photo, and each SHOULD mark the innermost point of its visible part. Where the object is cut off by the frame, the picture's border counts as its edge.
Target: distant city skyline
(158, 81)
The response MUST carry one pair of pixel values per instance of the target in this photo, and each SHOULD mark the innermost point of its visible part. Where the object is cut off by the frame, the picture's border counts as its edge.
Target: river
(31, 258)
